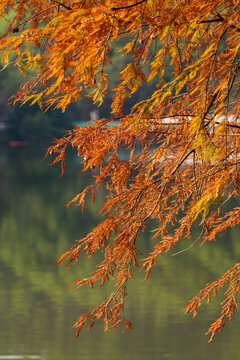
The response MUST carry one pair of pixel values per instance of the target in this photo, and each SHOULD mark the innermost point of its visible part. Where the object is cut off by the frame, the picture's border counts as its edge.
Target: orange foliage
(183, 139)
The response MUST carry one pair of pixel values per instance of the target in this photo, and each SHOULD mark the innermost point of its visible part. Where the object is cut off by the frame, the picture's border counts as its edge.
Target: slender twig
(63, 5)
(128, 6)
(180, 9)
(188, 248)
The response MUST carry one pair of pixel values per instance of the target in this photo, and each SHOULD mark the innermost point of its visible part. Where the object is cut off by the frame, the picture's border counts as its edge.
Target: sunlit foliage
(182, 140)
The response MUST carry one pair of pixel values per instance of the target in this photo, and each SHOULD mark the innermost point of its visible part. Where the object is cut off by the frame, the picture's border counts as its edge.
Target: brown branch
(16, 28)
(128, 6)
(184, 18)
(232, 81)
(210, 21)
(63, 5)
(210, 104)
(219, 19)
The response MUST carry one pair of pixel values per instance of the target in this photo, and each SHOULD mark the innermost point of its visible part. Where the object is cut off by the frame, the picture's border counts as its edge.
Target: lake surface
(37, 310)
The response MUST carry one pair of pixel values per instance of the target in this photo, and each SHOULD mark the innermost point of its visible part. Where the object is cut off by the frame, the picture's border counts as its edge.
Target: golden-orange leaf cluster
(182, 141)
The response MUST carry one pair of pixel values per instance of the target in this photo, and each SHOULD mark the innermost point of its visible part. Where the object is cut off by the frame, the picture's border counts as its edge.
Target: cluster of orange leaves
(183, 140)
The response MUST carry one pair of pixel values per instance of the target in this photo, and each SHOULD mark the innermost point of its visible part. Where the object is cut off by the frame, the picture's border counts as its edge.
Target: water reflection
(37, 311)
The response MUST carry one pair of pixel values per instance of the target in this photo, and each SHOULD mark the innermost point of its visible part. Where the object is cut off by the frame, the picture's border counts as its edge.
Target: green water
(37, 310)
